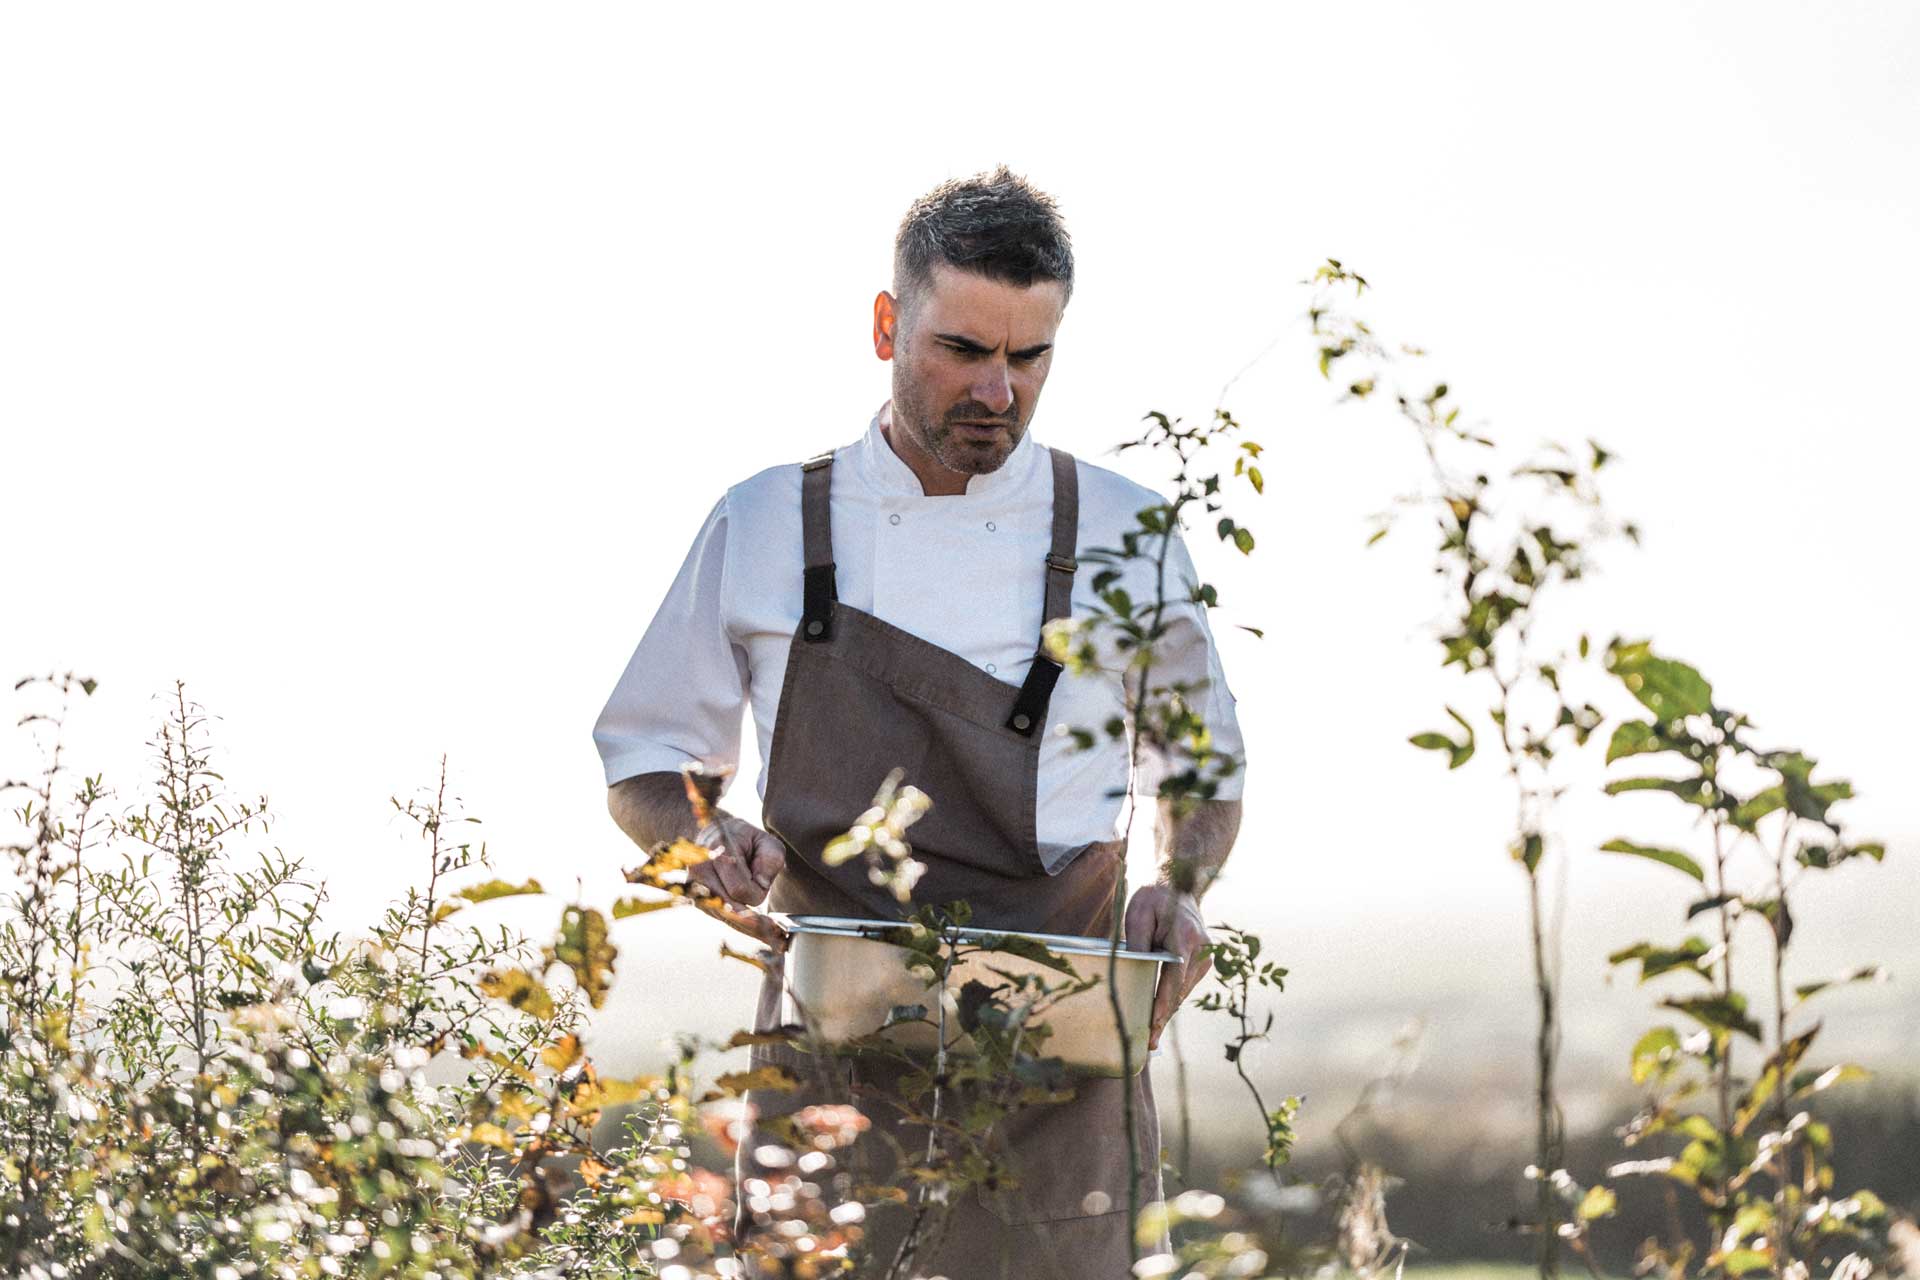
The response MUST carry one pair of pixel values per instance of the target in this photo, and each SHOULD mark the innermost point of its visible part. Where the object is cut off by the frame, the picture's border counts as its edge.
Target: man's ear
(885, 320)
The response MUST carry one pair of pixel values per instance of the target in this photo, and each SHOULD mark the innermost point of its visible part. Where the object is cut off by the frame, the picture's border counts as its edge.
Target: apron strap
(1030, 708)
(816, 531)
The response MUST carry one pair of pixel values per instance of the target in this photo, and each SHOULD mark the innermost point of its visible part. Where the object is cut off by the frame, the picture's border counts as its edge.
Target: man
(882, 606)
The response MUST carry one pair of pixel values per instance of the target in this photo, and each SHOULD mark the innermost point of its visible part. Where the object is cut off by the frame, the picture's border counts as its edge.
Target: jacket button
(815, 627)
(894, 518)
(1022, 723)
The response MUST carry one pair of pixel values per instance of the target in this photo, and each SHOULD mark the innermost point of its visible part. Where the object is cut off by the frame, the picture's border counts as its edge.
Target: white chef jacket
(962, 571)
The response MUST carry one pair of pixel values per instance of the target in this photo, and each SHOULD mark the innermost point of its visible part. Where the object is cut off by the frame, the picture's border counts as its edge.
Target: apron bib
(860, 698)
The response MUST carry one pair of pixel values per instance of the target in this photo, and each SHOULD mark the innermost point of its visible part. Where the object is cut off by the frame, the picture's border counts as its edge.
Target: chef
(881, 605)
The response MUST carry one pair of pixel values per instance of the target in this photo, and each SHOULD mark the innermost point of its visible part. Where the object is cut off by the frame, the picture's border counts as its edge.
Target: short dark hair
(995, 224)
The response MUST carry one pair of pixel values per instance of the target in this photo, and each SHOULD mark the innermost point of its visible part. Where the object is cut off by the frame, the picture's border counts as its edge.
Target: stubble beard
(941, 440)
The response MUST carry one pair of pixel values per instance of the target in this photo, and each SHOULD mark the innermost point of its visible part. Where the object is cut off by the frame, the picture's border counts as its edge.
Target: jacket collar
(889, 474)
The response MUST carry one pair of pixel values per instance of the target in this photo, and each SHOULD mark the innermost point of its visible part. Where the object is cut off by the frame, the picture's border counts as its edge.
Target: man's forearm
(1194, 848)
(652, 808)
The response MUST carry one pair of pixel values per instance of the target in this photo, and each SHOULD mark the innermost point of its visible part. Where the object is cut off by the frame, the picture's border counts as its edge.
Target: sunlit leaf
(1635, 737)
(1654, 1052)
(1778, 1066)
(583, 947)
(1808, 1083)
(520, 989)
(1667, 688)
(773, 1078)
(498, 889)
(562, 1053)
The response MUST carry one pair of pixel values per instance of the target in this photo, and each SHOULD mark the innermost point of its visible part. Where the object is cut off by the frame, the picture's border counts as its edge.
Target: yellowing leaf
(624, 907)
(498, 889)
(491, 1135)
(771, 1077)
(562, 1053)
(598, 1094)
(518, 988)
(583, 947)
(666, 865)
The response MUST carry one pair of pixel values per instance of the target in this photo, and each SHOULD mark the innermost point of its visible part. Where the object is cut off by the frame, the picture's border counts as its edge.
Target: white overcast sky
(369, 367)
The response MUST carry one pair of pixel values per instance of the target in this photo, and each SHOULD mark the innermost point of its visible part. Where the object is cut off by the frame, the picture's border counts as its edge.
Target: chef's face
(968, 367)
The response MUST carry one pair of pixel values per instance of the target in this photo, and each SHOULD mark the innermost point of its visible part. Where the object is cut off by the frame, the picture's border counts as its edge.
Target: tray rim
(1064, 943)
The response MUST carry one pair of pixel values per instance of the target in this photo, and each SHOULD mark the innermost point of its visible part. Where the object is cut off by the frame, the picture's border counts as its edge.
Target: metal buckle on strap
(1065, 564)
(818, 461)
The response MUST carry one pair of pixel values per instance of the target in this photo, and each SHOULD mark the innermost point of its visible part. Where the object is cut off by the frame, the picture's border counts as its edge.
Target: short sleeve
(683, 694)
(1187, 655)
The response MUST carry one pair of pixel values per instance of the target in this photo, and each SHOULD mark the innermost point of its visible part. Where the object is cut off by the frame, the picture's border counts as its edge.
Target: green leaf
(1527, 850)
(1027, 949)
(1667, 688)
(1671, 857)
(583, 947)
(1808, 1083)
(1599, 1202)
(1868, 973)
(1434, 742)
(1243, 539)
(1748, 813)
(624, 907)
(1654, 1053)
(1708, 904)
(498, 889)
(1719, 1012)
(1633, 738)
(1778, 1065)
(1688, 789)
(1655, 961)
(1777, 914)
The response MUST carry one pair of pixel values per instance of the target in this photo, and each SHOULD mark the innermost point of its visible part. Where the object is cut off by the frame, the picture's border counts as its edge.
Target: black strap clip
(1030, 708)
(816, 610)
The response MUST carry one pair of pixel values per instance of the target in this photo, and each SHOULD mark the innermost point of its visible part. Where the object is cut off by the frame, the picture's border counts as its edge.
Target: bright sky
(369, 367)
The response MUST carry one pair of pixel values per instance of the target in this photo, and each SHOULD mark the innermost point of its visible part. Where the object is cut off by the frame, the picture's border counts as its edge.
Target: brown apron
(862, 697)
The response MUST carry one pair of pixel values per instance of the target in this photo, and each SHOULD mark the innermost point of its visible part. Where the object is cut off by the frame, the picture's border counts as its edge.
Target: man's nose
(994, 387)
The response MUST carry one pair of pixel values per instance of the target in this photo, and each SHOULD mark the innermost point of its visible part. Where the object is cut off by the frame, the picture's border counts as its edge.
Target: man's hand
(1161, 918)
(745, 861)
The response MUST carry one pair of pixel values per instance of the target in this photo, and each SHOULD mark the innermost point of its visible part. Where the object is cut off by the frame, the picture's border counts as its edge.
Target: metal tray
(846, 980)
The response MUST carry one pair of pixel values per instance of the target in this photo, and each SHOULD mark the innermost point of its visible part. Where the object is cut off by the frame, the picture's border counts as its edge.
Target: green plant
(1759, 1162)
(1507, 548)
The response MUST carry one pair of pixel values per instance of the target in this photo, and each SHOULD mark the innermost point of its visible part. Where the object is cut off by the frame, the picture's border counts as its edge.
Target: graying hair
(994, 224)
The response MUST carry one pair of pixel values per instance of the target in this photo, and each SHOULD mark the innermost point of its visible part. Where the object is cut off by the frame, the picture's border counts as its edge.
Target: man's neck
(935, 480)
